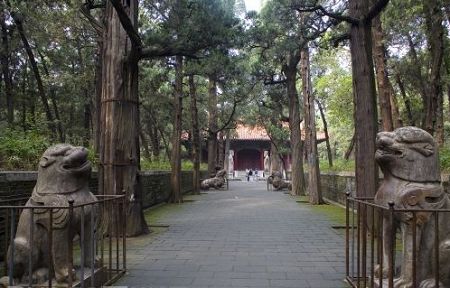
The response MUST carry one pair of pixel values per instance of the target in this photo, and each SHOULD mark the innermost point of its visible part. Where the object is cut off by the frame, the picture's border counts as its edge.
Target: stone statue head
(63, 168)
(408, 153)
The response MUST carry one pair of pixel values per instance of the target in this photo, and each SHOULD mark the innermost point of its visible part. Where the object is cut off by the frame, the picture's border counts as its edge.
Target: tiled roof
(247, 132)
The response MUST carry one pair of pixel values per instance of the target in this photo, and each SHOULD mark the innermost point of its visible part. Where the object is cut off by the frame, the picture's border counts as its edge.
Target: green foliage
(338, 165)
(186, 165)
(444, 159)
(21, 151)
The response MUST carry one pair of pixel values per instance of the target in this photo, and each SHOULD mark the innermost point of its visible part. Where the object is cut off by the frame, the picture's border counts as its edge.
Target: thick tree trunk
(51, 125)
(435, 35)
(196, 152)
(175, 158)
(275, 159)
(144, 144)
(212, 125)
(5, 71)
(315, 193)
(298, 183)
(327, 136)
(226, 162)
(384, 91)
(365, 100)
(119, 156)
(220, 150)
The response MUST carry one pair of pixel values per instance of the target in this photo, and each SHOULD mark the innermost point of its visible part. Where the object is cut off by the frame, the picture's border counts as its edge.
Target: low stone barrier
(155, 185)
(335, 185)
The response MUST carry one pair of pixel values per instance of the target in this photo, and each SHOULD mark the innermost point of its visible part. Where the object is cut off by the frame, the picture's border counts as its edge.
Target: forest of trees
(147, 82)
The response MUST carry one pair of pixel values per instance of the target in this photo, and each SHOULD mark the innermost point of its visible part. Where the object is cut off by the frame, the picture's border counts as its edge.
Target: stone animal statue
(409, 161)
(278, 182)
(63, 175)
(216, 182)
(269, 182)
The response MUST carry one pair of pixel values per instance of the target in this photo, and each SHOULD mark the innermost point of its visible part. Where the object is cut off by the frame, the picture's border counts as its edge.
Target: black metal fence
(95, 243)
(376, 255)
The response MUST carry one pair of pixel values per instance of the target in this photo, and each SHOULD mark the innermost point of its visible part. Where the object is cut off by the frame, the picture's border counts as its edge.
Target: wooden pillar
(261, 159)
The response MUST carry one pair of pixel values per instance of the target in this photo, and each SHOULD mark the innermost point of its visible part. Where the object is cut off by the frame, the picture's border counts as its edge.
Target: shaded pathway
(244, 237)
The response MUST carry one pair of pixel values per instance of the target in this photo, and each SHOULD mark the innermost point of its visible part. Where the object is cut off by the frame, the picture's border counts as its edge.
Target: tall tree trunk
(384, 91)
(226, 163)
(298, 183)
(5, 55)
(275, 159)
(24, 100)
(422, 87)
(327, 136)
(435, 35)
(212, 125)
(50, 120)
(195, 137)
(52, 94)
(220, 150)
(119, 157)
(365, 100)
(405, 98)
(97, 97)
(144, 144)
(175, 158)
(315, 193)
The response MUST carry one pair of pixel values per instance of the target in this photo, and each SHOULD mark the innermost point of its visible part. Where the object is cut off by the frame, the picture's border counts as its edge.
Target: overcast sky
(253, 5)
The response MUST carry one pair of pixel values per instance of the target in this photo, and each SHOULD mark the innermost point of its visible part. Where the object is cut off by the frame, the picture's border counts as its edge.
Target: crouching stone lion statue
(409, 160)
(278, 182)
(216, 182)
(63, 175)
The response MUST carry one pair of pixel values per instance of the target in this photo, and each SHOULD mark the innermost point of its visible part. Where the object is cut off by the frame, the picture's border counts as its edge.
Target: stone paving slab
(243, 237)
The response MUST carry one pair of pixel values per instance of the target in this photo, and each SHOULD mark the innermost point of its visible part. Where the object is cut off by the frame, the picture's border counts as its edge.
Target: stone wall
(155, 185)
(336, 185)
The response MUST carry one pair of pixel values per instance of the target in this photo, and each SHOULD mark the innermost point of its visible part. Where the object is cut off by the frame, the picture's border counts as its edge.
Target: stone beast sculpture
(216, 182)
(408, 159)
(278, 182)
(63, 175)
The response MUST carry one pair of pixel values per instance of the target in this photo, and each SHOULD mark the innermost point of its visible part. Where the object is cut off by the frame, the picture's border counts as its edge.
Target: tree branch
(85, 10)
(166, 51)
(324, 11)
(376, 9)
(127, 24)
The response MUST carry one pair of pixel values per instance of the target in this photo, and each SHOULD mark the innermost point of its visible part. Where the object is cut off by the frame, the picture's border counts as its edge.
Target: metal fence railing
(95, 243)
(377, 257)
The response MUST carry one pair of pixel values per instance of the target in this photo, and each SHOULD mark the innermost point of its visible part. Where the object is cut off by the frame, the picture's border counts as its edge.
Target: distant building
(251, 144)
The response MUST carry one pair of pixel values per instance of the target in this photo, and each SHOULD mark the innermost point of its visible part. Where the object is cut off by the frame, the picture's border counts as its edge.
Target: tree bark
(175, 158)
(212, 125)
(52, 94)
(196, 149)
(5, 56)
(327, 136)
(298, 183)
(315, 193)
(365, 100)
(119, 155)
(435, 35)
(384, 91)
(221, 150)
(50, 120)
(419, 78)
(405, 99)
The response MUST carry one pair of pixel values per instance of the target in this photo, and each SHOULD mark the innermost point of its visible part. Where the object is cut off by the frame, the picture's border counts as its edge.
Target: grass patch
(158, 215)
(332, 212)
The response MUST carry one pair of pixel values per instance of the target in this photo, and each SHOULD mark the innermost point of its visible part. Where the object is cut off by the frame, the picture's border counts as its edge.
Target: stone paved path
(244, 237)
